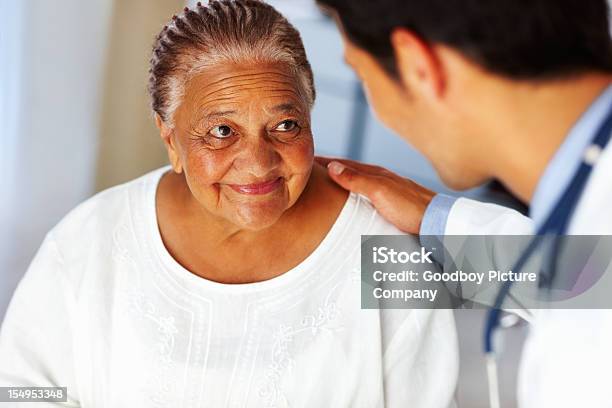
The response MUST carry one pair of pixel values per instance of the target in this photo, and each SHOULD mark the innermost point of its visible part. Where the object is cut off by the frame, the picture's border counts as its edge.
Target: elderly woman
(230, 278)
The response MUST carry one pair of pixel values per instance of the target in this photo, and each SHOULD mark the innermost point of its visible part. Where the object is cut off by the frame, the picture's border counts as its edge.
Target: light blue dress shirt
(555, 179)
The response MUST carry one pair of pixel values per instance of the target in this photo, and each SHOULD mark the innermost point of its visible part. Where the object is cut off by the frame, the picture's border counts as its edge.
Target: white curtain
(11, 36)
(51, 68)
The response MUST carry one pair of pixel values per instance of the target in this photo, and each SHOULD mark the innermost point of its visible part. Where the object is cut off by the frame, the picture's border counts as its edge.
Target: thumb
(351, 179)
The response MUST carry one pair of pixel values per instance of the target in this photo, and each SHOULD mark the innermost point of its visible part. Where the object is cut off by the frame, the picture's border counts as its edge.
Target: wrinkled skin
(240, 126)
(245, 187)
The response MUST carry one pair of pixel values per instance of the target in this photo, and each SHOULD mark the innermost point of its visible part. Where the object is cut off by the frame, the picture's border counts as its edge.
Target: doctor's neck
(530, 121)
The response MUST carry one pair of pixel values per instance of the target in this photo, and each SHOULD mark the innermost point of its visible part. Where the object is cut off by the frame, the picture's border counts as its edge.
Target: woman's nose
(258, 155)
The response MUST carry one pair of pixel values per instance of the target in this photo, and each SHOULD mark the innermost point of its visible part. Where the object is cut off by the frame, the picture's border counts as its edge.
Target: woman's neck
(191, 233)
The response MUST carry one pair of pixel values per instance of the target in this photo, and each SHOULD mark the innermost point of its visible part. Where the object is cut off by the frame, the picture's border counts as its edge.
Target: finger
(353, 179)
(363, 167)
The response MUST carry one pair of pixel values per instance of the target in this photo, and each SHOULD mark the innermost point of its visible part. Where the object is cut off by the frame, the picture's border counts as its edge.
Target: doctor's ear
(417, 64)
(167, 135)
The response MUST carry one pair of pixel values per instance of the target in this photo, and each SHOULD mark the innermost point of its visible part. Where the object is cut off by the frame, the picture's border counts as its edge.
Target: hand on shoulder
(400, 200)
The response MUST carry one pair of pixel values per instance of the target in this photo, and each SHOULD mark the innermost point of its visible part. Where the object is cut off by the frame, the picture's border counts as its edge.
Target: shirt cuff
(436, 215)
(434, 221)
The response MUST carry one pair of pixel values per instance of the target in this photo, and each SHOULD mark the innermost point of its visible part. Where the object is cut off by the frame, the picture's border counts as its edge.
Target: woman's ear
(417, 64)
(167, 134)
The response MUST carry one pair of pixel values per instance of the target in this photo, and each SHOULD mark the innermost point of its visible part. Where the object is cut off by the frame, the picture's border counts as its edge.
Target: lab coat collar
(565, 162)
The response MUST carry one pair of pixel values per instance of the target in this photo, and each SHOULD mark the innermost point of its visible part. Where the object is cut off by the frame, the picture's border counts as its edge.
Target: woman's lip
(257, 188)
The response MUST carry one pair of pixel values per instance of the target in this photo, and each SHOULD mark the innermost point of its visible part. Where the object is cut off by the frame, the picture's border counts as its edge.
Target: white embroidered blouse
(107, 312)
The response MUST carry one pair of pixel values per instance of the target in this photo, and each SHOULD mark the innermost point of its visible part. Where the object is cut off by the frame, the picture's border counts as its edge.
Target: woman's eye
(287, 126)
(221, 132)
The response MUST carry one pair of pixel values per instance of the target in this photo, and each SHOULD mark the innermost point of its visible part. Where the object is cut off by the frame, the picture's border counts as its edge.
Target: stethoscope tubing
(556, 225)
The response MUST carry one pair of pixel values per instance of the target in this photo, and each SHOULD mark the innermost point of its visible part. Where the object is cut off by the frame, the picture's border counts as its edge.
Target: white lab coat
(567, 358)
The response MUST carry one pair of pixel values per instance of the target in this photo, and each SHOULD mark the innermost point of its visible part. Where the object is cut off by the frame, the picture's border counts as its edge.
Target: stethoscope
(555, 225)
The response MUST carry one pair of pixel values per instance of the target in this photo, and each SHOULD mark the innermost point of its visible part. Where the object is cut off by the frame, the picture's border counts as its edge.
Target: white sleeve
(36, 347)
(421, 362)
(470, 217)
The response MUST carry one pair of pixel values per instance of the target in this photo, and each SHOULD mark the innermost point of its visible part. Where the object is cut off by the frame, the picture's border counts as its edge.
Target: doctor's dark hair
(223, 31)
(519, 39)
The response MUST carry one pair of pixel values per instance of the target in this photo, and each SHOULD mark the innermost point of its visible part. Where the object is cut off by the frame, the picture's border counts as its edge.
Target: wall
(129, 143)
(50, 116)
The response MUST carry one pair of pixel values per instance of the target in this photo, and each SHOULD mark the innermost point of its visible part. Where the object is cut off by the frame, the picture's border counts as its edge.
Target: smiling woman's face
(242, 137)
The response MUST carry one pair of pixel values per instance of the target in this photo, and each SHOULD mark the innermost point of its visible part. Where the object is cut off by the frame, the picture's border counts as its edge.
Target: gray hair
(222, 31)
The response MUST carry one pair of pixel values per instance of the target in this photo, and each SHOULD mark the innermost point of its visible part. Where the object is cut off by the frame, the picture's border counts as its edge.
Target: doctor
(506, 90)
